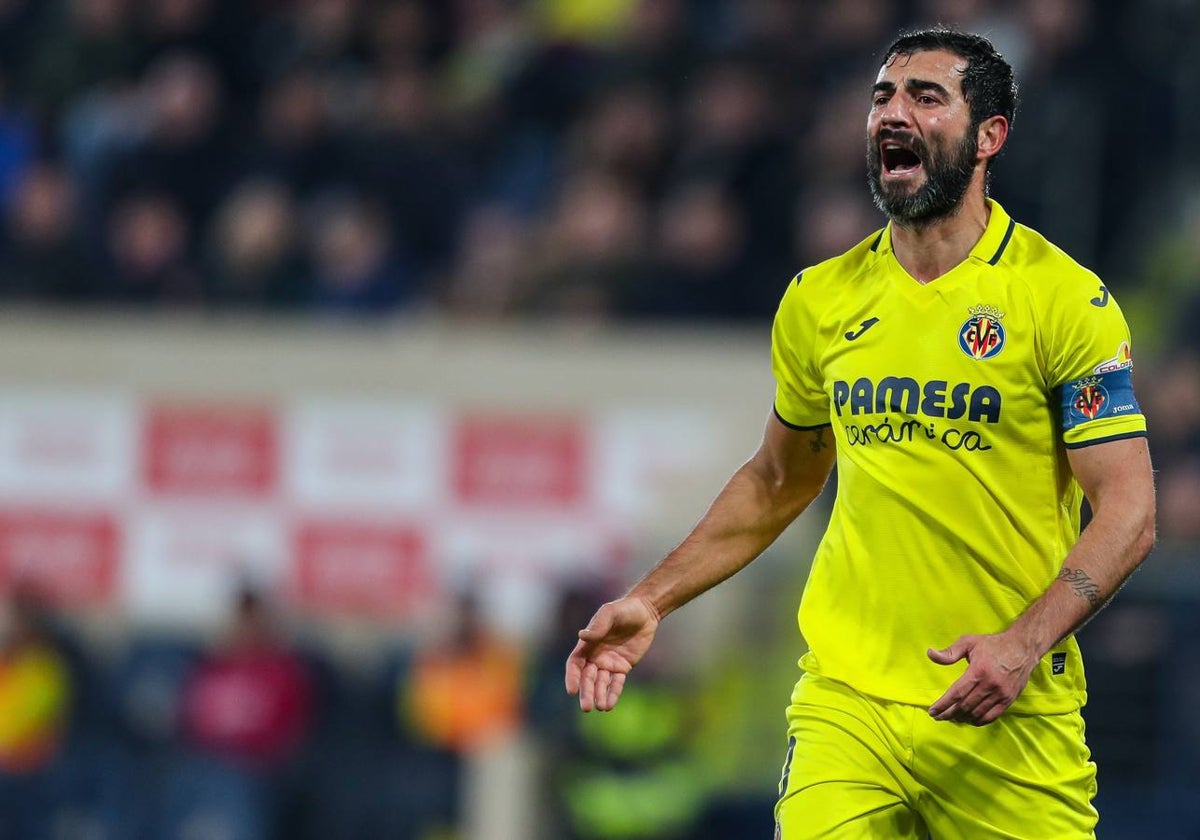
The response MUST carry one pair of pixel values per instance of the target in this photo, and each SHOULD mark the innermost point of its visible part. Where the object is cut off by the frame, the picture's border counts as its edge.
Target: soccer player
(974, 383)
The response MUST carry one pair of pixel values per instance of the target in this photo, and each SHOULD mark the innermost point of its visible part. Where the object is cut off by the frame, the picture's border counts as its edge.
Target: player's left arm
(1118, 481)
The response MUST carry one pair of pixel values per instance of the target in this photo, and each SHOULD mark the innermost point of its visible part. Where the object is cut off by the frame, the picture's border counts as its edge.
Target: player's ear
(990, 136)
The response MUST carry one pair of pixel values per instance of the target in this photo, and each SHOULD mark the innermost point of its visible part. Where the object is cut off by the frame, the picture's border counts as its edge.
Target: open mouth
(897, 159)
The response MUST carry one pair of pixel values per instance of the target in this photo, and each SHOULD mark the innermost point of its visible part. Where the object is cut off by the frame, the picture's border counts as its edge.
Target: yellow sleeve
(1090, 365)
(800, 398)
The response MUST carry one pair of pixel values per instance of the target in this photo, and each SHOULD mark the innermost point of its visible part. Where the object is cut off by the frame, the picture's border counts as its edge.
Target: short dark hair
(988, 84)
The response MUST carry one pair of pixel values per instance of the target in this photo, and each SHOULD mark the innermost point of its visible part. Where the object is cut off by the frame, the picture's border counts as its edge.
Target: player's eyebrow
(925, 85)
(912, 85)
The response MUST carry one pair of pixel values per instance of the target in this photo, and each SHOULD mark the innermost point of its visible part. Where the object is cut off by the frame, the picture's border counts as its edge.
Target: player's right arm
(757, 503)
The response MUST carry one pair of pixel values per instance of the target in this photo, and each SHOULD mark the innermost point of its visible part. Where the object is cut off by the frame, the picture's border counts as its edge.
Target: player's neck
(927, 252)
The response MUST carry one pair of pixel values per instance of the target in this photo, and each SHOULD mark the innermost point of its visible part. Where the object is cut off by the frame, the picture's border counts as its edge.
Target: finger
(997, 706)
(575, 663)
(969, 707)
(587, 687)
(603, 682)
(614, 691)
(599, 626)
(941, 657)
(954, 694)
(992, 714)
(571, 678)
(953, 653)
(948, 713)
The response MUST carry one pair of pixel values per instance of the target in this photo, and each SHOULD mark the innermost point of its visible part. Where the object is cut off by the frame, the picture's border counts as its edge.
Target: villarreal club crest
(982, 335)
(1091, 398)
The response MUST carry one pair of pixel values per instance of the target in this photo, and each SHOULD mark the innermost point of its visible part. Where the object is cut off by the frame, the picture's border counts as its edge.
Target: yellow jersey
(952, 404)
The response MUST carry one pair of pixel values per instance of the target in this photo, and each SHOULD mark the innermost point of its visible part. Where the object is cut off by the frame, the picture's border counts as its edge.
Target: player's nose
(894, 113)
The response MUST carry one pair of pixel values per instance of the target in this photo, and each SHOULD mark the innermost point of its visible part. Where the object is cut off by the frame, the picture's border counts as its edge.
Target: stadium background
(396, 312)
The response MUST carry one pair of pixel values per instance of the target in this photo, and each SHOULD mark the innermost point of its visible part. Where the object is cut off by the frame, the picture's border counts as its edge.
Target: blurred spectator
(492, 259)
(94, 44)
(357, 267)
(593, 252)
(18, 140)
(186, 153)
(295, 141)
(491, 42)
(401, 32)
(401, 159)
(250, 699)
(626, 137)
(832, 149)
(631, 774)
(569, 21)
(1168, 263)
(550, 718)
(995, 19)
(553, 722)
(253, 256)
(464, 693)
(42, 257)
(1172, 407)
(145, 688)
(658, 48)
(831, 219)
(325, 33)
(148, 248)
(209, 28)
(1179, 489)
(35, 689)
(700, 271)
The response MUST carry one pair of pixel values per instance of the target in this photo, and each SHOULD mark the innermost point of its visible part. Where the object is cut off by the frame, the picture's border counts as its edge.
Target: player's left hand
(999, 668)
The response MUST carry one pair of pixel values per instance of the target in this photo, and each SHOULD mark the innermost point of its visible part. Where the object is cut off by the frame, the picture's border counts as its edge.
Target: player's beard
(948, 173)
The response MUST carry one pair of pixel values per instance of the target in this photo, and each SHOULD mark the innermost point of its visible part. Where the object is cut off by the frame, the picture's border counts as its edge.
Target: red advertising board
(210, 450)
(382, 569)
(70, 557)
(505, 462)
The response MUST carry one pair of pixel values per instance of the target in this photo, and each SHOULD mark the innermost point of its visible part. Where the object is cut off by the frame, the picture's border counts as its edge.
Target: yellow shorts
(860, 768)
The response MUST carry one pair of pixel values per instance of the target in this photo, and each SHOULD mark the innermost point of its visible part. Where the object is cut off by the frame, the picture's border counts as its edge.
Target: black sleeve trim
(1086, 443)
(1003, 242)
(794, 427)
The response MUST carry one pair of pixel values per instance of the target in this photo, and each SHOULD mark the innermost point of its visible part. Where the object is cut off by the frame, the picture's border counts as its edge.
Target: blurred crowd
(632, 158)
(253, 734)
(258, 731)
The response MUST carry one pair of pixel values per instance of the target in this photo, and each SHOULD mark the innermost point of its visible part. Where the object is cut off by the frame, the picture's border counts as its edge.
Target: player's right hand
(615, 640)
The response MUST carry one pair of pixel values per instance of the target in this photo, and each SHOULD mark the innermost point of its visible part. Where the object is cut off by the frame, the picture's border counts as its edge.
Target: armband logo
(982, 335)
(1091, 398)
(1123, 360)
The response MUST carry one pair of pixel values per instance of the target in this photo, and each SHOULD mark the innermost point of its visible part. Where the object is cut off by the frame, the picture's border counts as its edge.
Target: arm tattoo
(1081, 584)
(818, 442)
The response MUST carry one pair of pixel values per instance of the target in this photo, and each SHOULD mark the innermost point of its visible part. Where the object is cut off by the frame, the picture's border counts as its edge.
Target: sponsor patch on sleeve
(1103, 395)
(1123, 360)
